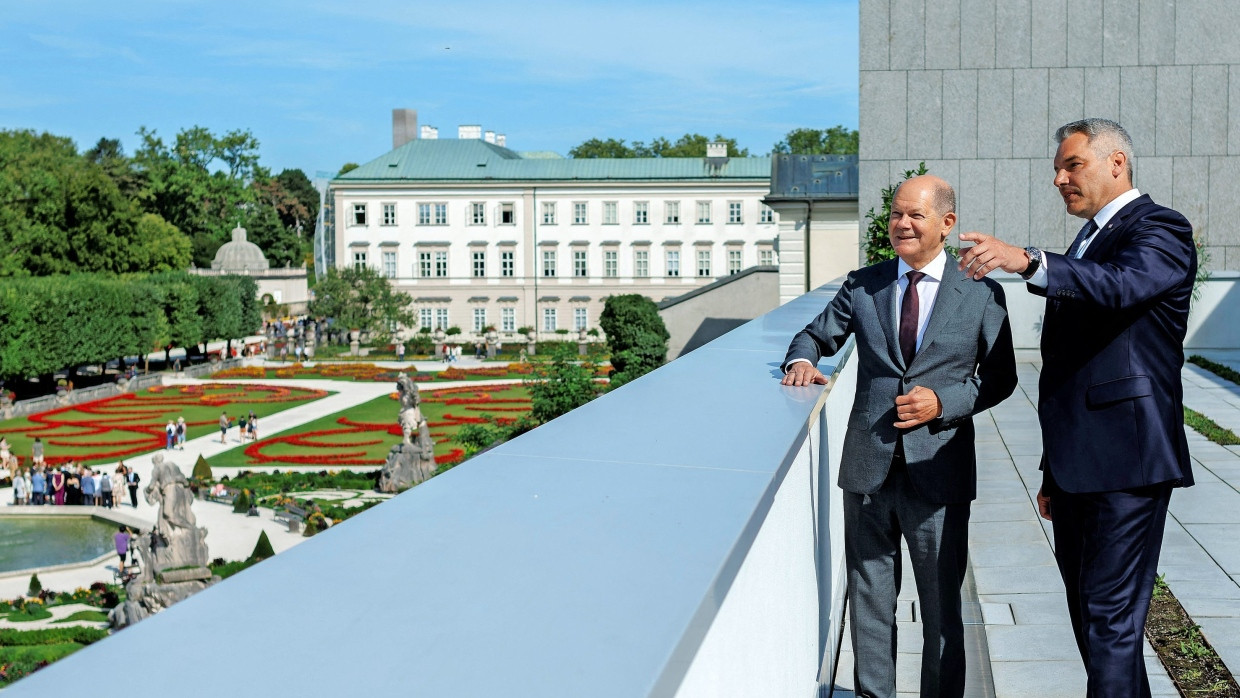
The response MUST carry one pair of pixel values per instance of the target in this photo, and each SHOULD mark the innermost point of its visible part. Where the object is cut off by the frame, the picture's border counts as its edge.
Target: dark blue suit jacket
(1111, 399)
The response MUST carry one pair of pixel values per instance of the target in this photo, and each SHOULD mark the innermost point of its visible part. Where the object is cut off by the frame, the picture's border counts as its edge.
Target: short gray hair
(944, 198)
(1105, 135)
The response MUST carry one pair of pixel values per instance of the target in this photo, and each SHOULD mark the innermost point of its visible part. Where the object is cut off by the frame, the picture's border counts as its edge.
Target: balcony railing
(680, 536)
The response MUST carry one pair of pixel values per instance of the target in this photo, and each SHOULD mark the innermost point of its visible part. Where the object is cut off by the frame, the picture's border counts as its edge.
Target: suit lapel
(1104, 241)
(945, 303)
(885, 305)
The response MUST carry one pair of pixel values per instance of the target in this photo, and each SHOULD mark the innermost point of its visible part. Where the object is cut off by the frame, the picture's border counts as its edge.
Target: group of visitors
(75, 485)
(451, 353)
(175, 433)
(247, 427)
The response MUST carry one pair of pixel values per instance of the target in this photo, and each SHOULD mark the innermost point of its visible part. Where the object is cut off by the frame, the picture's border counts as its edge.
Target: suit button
(907, 380)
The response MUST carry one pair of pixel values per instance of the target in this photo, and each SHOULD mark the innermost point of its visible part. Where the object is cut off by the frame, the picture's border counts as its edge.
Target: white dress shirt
(1101, 219)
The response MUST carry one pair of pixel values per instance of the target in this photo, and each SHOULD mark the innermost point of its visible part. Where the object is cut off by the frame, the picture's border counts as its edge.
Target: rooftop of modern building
(476, 160)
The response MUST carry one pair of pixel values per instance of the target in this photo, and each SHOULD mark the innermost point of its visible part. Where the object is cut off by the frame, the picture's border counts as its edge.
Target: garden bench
(226, 498)
(294, 515)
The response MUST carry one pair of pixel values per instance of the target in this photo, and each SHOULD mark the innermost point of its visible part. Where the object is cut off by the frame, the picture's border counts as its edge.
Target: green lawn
(370, 430)
(125, 425)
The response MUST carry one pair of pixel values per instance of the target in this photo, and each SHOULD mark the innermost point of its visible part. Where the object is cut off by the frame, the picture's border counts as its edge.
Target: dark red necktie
(909, 307)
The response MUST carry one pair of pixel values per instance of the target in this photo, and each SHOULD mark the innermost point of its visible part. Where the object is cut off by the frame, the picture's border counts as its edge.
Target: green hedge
(51, 636)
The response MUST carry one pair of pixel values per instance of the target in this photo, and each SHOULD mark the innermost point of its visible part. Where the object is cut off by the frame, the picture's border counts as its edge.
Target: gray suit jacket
(966, 358)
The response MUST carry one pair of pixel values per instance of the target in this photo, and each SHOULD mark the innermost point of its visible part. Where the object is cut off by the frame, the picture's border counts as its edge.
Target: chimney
(489, 136)
(716, 150)
(501, 140)
(469, 132)
(404, 126)
(429, 133)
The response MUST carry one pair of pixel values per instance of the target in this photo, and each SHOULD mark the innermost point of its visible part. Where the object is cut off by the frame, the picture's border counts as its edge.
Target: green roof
(476, 160)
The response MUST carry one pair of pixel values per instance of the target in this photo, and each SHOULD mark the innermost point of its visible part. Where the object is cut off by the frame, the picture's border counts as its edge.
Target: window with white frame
(548, 213)
(479, 259)
(359, 214)
(549, 320)
(611, 263)
(441, 263)
(766, 215)
(507, 263)
(424, 264)
(441, 318)
(441, 213)
(389, 264)
(766, 257)
(424, 214)
(426, 319)
(734, 212)
(673, 262)
(508, 319)
(579, 263)
(359, 260)
(507, 214)
(389, 214)
(477, 213)
(579, 213)
(641, 212)
(641, 263)
(480, 319)
(548, 257)
(581, 318)
(734, 261)
(611, 215)
(703, 212)
(671, 212)
(703, 262)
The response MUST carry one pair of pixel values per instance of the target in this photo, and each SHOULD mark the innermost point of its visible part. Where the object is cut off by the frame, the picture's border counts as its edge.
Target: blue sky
(315, 82)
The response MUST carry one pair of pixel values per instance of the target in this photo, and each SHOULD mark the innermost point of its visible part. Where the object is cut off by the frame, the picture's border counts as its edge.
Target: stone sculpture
(174, 553)
(413, 460)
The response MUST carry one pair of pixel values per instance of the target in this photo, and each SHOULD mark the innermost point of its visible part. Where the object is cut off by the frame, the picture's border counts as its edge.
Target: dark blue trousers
(1107, 546)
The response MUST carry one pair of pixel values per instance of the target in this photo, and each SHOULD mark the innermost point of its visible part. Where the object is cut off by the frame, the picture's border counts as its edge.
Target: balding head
(941, 193)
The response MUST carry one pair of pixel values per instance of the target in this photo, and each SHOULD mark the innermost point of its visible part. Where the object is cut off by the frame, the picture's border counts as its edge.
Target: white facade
(547, 254)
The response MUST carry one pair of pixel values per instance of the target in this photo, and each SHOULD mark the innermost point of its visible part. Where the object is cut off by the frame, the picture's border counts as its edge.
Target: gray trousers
(938, 543)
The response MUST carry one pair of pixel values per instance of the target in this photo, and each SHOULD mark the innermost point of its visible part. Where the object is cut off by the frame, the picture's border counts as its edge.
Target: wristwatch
(1035, 263)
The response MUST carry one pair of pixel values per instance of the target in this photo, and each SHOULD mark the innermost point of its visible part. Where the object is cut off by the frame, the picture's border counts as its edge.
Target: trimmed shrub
(35, 586)
(202, 470)
(241, 505)
(262, 549)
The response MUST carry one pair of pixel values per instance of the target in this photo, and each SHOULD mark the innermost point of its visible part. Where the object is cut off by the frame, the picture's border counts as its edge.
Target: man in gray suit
(934, 349)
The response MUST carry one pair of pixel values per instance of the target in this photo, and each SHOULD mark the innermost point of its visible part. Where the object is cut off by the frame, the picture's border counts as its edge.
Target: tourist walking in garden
(170, 433)
(88, 488)
(400, 351)
(58, 487)
(36, 452)
(223, 426)
(132, 480)
(38, 487)
(19, 488)
(251, 428)
(105, 489)
(181, 429)
(122, 539)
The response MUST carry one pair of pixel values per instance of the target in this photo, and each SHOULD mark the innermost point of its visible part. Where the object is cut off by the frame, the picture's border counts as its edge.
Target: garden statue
(413, 460)
(174, 553)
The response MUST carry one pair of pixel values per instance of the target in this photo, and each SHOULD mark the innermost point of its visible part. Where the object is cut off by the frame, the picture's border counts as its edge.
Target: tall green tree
(836, 140)
(690, 145)
(361, 299)
(636, 336)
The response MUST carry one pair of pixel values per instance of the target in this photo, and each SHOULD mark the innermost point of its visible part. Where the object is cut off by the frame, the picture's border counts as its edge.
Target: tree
(636, 336)
(690, 145)
(561, 385)
(836, 140)
(347, 167)
(877, 240)
(361, 299)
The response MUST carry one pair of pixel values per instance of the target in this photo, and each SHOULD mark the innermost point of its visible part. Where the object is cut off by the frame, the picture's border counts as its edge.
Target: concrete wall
(712, 311)
(976, 88)
(833, 237)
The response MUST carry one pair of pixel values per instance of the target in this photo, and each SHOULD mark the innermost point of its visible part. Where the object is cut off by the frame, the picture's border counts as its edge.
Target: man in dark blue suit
(1111, 399)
